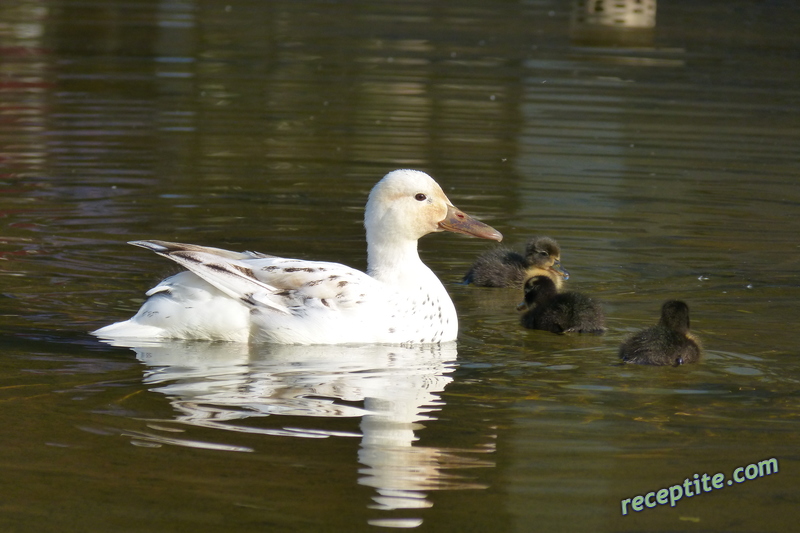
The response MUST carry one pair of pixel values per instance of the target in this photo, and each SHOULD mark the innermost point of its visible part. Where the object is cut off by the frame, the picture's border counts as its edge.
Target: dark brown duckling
(668, 343)
(547, 309)
(503, 267)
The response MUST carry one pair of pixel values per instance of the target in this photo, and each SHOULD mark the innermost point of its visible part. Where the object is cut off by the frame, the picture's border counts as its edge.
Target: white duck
(261, 298)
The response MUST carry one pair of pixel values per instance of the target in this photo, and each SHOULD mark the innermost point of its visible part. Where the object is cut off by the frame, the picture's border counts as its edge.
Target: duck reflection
(392, 389)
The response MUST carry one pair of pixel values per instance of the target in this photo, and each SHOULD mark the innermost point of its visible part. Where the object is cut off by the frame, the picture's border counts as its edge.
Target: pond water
(662, 155)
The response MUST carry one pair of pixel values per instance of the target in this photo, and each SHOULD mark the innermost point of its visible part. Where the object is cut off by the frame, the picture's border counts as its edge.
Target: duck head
(408, 204)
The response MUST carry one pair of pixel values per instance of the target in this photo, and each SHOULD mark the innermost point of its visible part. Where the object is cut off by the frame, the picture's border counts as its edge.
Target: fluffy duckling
(547, 309)
(502, 267)
(668, 343)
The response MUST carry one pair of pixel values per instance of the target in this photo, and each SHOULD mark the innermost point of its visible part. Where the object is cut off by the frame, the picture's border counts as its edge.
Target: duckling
(668, 343)
(547, 309)
(503, 267)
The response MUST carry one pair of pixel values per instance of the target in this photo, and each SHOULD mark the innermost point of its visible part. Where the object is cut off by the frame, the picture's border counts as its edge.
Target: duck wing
(287, 286)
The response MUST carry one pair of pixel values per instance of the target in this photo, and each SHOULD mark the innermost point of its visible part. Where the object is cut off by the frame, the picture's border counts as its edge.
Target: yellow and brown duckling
(668, 343)
(567, 312)
(503, 267)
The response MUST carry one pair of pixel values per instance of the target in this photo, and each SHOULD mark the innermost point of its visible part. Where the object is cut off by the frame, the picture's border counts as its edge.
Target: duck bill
(558, 269)
(458, 221)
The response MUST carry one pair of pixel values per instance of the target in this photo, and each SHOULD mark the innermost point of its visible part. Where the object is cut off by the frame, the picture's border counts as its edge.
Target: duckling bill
(668, 343)
(547, 309)
(503, 267)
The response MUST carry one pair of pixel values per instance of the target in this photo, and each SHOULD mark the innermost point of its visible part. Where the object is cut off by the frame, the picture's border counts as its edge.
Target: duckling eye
(420, 197)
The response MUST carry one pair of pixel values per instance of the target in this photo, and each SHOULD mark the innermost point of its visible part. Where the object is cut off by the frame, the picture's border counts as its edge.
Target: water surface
(663, 159)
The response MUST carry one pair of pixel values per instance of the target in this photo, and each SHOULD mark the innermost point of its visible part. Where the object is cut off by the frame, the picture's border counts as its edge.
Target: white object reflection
(613, 22)
(221, 385)
(619, 13)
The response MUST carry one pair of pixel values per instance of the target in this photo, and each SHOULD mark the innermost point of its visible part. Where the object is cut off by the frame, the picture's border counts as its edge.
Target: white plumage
(255, 297)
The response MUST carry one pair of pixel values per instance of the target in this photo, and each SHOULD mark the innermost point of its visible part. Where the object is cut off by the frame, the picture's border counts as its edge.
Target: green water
(664, 161)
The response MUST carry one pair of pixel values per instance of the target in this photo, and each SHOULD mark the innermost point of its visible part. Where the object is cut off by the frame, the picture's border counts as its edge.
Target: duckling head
(538, 290)
(543, 256)
(675, 316)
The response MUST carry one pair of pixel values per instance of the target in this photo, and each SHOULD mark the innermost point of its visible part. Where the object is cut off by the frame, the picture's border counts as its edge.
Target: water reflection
(23, 86)
(613, 22)
(226, 386)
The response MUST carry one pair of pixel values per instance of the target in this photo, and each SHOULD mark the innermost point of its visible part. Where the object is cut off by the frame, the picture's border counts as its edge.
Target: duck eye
(420, 197)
